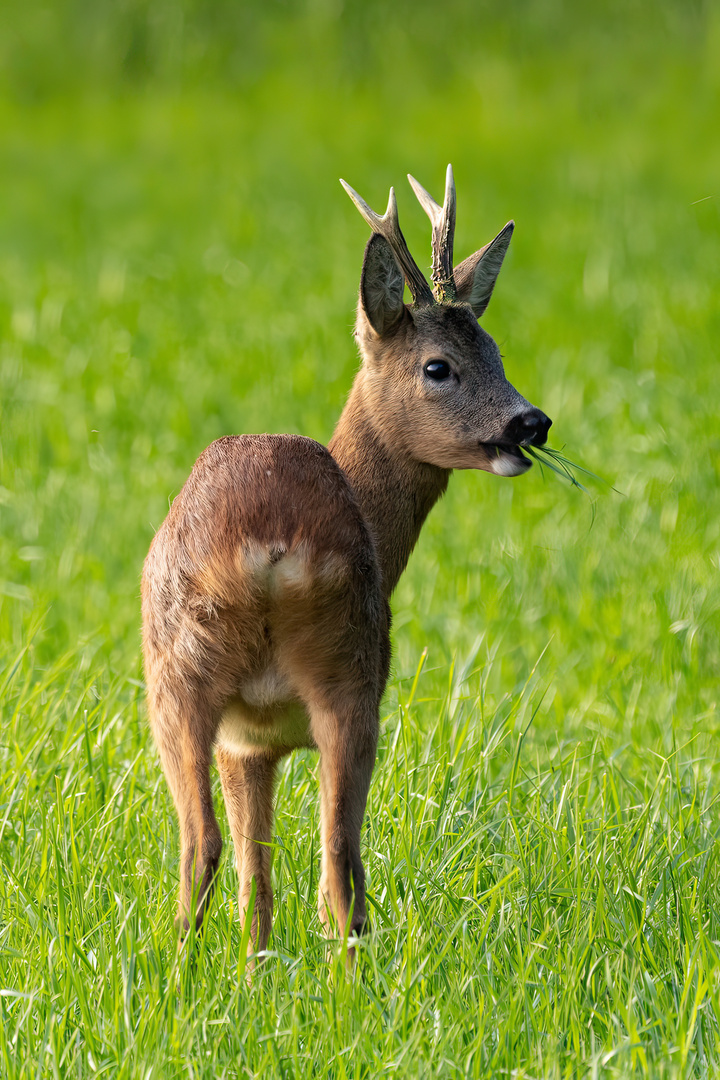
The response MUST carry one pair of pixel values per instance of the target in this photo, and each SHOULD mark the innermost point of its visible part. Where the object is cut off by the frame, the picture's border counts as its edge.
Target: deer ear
(381, 285)
(475, 277)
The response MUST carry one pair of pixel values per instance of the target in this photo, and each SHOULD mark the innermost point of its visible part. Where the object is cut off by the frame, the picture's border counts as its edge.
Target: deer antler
(389, 227)
(443, 232)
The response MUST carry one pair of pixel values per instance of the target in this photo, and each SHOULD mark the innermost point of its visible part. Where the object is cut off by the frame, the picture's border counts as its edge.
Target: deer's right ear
(381, 285)
(475, 277)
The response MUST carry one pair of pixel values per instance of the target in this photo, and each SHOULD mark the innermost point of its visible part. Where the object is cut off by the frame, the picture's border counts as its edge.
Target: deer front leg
(347, 739)
(247, 783)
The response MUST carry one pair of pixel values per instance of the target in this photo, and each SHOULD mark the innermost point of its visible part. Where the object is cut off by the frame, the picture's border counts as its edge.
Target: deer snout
(528, 428)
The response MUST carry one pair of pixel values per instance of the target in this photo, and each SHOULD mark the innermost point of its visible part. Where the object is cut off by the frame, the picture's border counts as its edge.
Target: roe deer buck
(265, 591)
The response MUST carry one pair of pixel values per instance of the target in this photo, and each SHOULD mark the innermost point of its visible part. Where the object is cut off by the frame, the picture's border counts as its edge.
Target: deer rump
(265, 574)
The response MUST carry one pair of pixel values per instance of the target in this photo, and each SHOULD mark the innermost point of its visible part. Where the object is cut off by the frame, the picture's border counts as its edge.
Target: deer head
(433, 377)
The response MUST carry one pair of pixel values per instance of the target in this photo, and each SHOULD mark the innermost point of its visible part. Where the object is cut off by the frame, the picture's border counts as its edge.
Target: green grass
(179, 262)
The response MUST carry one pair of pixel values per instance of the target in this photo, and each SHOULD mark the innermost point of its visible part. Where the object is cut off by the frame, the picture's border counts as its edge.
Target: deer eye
(437, 369)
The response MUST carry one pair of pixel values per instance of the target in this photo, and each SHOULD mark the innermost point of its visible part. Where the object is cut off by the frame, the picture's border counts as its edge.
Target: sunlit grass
(529, 902)
(178, 262)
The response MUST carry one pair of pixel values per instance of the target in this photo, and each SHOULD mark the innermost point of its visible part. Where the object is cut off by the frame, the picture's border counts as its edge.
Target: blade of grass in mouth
(558, 463)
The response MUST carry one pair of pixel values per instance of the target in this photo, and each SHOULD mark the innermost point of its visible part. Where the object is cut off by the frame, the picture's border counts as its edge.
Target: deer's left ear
(475, 277)
(381, 286)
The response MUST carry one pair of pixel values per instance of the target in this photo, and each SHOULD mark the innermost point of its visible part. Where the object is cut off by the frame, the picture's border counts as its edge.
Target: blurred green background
(178, 262)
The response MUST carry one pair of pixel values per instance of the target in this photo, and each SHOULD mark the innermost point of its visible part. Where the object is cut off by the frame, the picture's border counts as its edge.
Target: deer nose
(528, 428)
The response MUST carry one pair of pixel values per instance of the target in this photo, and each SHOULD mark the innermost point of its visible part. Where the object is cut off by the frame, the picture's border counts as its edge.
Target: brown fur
(265, 593)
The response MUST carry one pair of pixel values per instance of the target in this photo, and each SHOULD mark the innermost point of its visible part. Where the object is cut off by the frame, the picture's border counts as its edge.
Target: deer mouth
(505, 459)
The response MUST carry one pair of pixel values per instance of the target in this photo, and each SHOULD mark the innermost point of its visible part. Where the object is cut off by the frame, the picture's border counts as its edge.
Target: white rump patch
(293, 571)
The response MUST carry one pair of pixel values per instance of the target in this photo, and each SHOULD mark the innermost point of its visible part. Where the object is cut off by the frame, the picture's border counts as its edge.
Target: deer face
(438, 390)
(435, 377)
(463, 412)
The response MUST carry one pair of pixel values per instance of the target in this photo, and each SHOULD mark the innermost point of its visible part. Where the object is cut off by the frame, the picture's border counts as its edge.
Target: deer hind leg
(184, 730)
(247, 782)
(347, 739)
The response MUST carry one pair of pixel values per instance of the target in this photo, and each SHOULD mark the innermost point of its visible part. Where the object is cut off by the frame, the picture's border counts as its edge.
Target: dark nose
(528, 428)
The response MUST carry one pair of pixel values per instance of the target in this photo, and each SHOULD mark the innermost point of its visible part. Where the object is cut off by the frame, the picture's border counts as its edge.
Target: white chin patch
(509, 465)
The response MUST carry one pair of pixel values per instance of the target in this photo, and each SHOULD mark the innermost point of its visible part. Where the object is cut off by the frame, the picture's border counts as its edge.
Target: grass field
(179, 262)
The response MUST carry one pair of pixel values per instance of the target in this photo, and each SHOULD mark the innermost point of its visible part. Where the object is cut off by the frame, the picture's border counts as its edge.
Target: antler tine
(389, 226)
(443, 233)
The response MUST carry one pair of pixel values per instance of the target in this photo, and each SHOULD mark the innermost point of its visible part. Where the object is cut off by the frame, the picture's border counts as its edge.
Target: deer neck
(395, 492)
